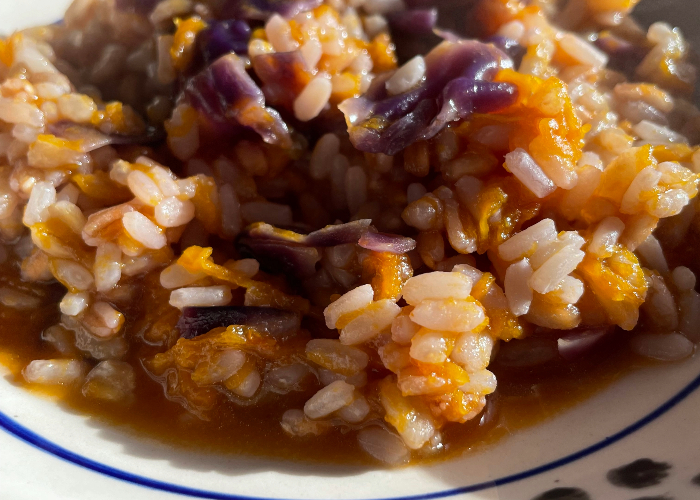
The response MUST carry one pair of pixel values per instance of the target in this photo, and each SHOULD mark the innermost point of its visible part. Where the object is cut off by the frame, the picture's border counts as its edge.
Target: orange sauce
(523, 398)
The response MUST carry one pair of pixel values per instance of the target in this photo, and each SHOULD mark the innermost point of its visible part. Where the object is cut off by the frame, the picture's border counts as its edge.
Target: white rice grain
(605, 237)
(333, 355)
(527, 171)
(470, 271)
(403, 329)
(71, 274)
(545, 251)
(407, 76)
(221, 366)
(517, 290)
(111, 318)
(249, 385)
(20, 112)
(448, 315)
(645, 181)
(669, 203)
(326, 149)
(429, 347)
(548, 276)
(569, 291)
(357, 298)
(375, 24)
(657, 134)
(311, 51)
(69, 214)
(54, 371)
(108, 267)
(660, 304)
(176, 276)
(311, 101)
(472, 351)
(43, 195)
(200, 296)
(526, 241)
(287, 378)
(143, 230)
(247, 267)
(295, 423)
(583, 51)
(69, 192)
(513, 30)
(370, 323)
(279, 34)
(662, 346)
(173, 212)
(683, 278)
(73, 304)
(25, 133)
(653, 255)
(355, 412)
(77, 108)
(689, 317)
(110, 380)
(29, 55)
(15, 299)
(437, 285)
(144, 188)
(329, 399)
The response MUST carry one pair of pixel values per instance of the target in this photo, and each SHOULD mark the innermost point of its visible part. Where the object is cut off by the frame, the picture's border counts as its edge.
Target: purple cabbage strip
(457, 83)
(93, 139)
(223, 37)
(417, 22)
(228, 97)
(261, 10)
(277, 323)
(329, 236)
(382, 242)
(338, 234)
(264, 231)
(280, 257)
(287, 252)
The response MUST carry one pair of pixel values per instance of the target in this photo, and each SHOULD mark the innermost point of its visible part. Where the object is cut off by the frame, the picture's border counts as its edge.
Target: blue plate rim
(22, 433)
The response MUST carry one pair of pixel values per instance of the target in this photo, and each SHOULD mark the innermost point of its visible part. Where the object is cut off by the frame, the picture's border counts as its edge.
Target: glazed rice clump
(339, 200)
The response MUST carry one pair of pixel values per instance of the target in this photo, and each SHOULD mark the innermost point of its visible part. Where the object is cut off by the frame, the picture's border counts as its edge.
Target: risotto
(343, 223)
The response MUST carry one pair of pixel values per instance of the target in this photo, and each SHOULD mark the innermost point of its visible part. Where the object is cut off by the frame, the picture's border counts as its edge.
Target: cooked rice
(154, 176)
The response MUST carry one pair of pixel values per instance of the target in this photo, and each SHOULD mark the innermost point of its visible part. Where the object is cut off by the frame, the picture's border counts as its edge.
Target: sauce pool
(525, 397)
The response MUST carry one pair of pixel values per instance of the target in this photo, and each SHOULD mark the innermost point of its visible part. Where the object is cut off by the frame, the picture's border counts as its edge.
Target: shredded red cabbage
(457, 83)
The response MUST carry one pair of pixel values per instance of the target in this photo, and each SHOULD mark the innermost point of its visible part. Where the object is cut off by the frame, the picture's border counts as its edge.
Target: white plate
(49, 453)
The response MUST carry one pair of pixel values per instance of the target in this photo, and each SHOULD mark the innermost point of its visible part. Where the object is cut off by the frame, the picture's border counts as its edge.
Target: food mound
(366, 202)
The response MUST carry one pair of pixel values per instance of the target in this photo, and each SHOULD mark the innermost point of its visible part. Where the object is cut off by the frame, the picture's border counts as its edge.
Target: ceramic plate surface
(636, 439)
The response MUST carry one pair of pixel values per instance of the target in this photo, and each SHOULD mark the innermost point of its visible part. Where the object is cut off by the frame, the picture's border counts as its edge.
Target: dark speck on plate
(641, 473)
(696, 480)
(564, 494)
